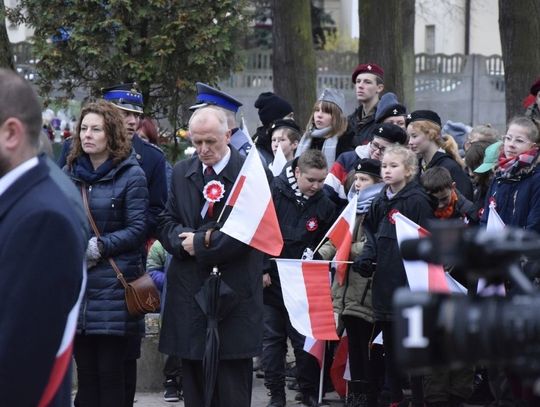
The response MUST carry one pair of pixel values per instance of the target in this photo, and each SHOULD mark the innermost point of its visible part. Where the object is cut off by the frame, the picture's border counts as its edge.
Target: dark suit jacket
(41, 256)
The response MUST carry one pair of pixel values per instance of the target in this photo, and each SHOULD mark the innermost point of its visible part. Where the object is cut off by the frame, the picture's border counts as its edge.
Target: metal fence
(466, 88)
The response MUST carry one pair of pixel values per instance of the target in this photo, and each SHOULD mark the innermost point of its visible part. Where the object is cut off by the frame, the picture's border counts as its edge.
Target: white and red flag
(306, 293)
(494, 224)
(253, 218)
(421, 276)
(341, 235)
(280, 161)
(315, 348)
(340, 370)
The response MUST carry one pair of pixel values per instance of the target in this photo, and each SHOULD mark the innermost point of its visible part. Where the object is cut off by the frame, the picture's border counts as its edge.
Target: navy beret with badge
(209, 96)
(391, 132)
(125, 96)
(369, 166)
(424, 115)
(280, 123)
(389, 106)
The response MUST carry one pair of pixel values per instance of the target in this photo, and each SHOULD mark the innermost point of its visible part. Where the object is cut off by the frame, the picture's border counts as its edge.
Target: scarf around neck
(329, 147)
(84, 170)
(510, 166)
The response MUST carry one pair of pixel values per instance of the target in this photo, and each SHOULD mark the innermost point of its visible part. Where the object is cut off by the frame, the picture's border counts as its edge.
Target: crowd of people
(151, 215)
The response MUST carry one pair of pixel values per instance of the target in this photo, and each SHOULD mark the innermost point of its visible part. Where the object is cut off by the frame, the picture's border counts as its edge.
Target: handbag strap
(119, 274)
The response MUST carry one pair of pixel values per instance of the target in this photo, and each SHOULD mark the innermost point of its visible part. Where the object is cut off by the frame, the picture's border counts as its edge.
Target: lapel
(227, 176)
(21, 187)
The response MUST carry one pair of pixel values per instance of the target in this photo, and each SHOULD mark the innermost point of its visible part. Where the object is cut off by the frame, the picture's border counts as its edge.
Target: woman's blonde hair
(444, 141)
(339, 120)
(118, 144)
(409, 159)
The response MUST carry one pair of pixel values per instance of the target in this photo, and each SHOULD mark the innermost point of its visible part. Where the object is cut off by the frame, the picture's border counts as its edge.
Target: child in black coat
(381, 256)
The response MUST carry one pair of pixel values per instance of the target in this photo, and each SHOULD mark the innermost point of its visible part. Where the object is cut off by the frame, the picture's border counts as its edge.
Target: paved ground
(260, 398)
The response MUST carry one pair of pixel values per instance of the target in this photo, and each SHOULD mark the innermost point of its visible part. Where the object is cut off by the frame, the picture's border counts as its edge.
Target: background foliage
(163, 45)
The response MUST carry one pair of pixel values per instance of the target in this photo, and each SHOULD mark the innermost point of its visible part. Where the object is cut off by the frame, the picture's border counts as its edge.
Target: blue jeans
(277, 328)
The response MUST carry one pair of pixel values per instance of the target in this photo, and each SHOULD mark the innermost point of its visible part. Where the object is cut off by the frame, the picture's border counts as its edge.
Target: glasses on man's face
(377, 146)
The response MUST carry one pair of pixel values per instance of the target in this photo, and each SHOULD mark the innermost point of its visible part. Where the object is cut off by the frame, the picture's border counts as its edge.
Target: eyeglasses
(516, 139)
(376, 146)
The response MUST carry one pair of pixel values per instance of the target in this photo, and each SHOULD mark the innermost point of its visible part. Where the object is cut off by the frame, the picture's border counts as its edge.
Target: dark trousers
(359, 332)
(100, 370)
(133, 353)
(393, 375)
(233, 384)
(173, 369)
(277, 328)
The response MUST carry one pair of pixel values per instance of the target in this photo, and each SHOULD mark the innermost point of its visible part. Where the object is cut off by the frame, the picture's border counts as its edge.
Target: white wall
(448, 17)
(17, 33)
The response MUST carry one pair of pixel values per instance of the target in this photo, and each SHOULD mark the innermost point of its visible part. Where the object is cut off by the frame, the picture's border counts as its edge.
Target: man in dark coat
(41, 255)
(188, 230)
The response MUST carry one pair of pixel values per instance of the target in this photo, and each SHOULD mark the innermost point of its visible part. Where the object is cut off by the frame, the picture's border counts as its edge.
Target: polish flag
(340, 234)
(315, 348)
(421, 276)
(253, 218)
(339, 371)
(494, 224)
(279, 161)
(306, 293)
(65, 350)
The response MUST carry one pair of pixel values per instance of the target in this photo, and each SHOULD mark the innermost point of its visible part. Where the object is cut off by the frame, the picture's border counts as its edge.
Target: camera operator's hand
(365, 267)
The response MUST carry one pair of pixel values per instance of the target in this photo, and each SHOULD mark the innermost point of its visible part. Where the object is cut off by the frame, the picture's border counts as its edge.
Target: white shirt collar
(220, 165)
(7, 180)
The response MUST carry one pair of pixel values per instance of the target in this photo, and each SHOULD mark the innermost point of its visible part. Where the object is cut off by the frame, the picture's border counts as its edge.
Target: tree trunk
(408, 71)
(520, 32)
(6, 53)
(293, 63)
(387, 38)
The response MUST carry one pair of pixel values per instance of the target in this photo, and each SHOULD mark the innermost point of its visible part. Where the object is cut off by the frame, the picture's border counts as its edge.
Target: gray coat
(184, 324)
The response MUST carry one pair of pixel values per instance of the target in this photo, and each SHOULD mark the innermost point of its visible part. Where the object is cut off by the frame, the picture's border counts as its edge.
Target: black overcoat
(184, 324)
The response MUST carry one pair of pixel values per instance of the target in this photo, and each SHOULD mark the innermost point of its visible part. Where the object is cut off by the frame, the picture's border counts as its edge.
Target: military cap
(368, 68)
(207, 95)
(421, 115)
(125, 96)
(280, 123)
(391, 132)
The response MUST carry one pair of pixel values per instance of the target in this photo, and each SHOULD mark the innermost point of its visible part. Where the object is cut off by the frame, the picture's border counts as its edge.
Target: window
(430, 39)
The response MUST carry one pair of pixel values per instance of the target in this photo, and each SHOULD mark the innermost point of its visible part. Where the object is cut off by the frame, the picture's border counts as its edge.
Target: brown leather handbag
(142, 296)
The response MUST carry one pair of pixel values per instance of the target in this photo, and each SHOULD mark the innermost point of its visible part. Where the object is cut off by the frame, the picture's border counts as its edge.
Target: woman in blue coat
(102, 162)
(515, 188)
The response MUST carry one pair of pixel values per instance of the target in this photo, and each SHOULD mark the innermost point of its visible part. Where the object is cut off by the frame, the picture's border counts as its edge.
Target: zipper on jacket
(368, 285)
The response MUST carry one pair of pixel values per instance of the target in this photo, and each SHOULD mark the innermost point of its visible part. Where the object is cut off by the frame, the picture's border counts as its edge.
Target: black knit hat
(280, 123)
(427, 115)
(272, 107)
(390, 132)
(369, 166)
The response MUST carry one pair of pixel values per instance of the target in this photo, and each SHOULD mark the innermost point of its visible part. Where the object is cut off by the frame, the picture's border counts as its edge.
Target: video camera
(441, 330)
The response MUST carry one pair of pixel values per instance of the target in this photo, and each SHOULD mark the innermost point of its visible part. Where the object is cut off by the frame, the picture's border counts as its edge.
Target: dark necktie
(209, 174)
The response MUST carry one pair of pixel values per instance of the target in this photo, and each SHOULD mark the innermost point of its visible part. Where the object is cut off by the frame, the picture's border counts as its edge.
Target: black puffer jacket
(460, 177)
(382, 247)
(302, 225)
(119, 204)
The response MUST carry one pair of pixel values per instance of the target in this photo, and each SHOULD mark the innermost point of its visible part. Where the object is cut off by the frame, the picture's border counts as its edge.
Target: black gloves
(365, 267)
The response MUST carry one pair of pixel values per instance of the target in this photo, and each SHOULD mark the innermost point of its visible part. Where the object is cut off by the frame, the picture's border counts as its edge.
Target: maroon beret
(535, 87)
(368, 68)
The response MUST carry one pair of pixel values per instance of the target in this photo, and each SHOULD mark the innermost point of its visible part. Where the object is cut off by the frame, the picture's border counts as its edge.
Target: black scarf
(84, 170)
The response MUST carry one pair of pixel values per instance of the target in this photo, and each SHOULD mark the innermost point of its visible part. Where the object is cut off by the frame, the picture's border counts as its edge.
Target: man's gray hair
(201, 115)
